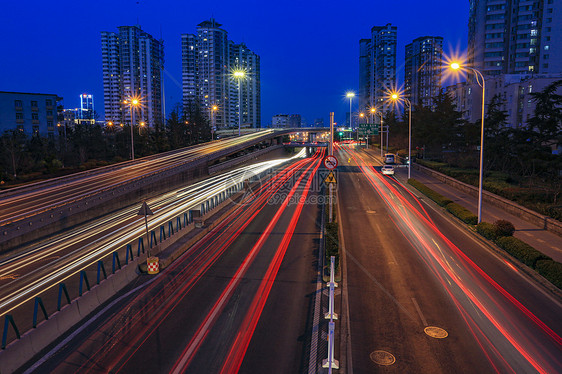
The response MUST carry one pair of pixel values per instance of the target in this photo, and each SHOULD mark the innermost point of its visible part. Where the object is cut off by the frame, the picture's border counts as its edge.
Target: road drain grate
(436, 332)
(382, 358)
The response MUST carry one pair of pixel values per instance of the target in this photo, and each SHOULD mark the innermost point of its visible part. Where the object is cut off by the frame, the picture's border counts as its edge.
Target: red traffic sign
(330, 162)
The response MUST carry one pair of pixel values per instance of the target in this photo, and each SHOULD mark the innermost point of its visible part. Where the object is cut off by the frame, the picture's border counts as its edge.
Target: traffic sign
(331, 178)
(330, 162)
(368, 129)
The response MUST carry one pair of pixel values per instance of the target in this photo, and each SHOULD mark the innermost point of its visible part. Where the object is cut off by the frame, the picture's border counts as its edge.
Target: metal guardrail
(331, 362)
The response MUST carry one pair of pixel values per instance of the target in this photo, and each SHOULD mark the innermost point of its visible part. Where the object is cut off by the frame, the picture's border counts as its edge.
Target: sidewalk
(544, 241)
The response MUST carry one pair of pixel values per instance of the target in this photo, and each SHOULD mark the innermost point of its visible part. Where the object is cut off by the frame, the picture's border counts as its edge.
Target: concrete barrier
(35, 340)
(547, 223)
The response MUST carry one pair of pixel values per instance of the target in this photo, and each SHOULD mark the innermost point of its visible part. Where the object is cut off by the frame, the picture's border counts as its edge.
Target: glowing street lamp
(350, 95)
(214, 108)
(239, 75)
(373, 112)
(482, 83)
(133, 102)
(395, 97)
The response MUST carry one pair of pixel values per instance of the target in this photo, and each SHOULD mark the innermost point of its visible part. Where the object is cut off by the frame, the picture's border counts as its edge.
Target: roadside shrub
(438, 198)
(521, 250)
(332, 242)
(504, 228)
(462, 213)
(487, 230)
(551, 270)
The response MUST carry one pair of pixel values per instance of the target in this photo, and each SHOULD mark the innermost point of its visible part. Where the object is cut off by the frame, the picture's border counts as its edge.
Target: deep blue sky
(309, 49)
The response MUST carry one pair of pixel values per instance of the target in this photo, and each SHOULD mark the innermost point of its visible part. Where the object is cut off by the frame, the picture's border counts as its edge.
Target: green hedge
(462, 213)
(521, 250)
(438, 198)
(551, 270)
(487, 230)
(332, 242)
(504, 228)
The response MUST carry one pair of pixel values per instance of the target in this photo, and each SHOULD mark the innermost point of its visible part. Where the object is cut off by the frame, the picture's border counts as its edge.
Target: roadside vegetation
(522, 164)
(501, 233)
(25, 158)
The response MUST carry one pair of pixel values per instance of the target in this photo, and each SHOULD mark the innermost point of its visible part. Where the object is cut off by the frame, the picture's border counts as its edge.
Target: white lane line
(419, 312)
(312, 361)
(378, 228)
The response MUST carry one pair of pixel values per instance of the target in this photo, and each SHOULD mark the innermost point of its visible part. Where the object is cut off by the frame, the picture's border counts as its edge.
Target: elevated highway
(33, 211)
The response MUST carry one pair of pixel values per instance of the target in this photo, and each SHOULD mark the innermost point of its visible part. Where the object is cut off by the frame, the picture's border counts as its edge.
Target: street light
(239, 75)
(374, 111)
(214, 108)
(133, 102)
(479, 77)
(396, 97)
(350, 95)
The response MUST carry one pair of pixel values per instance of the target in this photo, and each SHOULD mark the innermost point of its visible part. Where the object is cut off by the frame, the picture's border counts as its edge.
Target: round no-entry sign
(330, 162)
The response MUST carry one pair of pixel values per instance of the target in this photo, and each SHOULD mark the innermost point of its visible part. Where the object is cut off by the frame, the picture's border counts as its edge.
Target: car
(387, 170)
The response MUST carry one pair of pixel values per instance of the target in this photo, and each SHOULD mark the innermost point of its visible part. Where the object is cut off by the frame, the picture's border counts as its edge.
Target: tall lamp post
(134, 102)
(395, 97)
(239, 75)
(214, 108)
(350, 95)
(482, 83)
(373, 112)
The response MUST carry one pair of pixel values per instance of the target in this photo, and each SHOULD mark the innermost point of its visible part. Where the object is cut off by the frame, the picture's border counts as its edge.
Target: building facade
(515, 37)
(422, 70)
(133, 61)
(86, 106)
(280, 121)
(377, 67)
(514, 91)
(31, 113)
(208, 62)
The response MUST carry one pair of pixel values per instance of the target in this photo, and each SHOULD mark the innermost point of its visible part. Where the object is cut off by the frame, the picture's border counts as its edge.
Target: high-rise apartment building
(133, 61)
(377, 67)
(208, 62)
(423, 67)
(86, 106)
(515, 36)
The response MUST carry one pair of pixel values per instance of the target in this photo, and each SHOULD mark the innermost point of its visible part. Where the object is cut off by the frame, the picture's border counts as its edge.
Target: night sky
(309, 49)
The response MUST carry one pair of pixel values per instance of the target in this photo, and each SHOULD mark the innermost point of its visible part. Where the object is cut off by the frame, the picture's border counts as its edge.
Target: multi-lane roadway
(419, 294)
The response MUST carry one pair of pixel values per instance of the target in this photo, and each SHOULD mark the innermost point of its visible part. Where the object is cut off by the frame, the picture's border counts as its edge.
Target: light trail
(473, 288)
(27, 201)
(245, 332)
(191, 349)
(172, 204)
(229, 230)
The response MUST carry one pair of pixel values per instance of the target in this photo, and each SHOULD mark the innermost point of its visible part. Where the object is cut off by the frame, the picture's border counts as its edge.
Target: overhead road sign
(368, 129)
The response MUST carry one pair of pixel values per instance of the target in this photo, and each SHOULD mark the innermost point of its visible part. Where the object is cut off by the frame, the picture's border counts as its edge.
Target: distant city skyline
(309, 51)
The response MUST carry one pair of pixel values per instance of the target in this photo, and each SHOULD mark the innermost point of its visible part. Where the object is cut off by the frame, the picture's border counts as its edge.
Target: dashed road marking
(418, 309)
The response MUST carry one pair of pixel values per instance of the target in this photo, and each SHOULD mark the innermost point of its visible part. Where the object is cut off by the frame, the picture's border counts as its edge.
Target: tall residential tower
(377, 67)
(208, 62)
(133, 61)
(512, 36)
(423, 66)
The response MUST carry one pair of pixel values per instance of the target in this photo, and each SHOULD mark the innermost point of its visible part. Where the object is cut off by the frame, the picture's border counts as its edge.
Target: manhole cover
(436, 332)
(382, 358)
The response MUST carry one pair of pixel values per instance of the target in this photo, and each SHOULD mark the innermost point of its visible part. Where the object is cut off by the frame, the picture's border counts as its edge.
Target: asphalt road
(237, 301)
(407, 271)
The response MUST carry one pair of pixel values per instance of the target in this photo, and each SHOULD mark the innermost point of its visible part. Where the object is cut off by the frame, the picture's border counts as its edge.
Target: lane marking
(418, 309)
